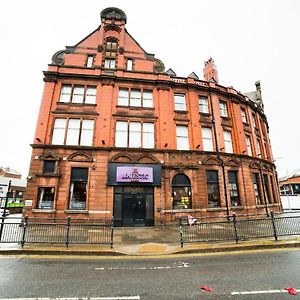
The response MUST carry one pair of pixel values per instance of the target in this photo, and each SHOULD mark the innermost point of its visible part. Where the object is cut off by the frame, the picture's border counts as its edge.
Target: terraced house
(118, 135)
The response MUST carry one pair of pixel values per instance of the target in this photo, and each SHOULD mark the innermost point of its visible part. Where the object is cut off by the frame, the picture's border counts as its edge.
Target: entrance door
(134, 209)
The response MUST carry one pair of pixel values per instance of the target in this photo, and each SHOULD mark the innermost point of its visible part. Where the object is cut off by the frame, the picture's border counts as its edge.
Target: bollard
(235, 228)
(180, 231)
(274, 227)
(68, 230)
(24, 231)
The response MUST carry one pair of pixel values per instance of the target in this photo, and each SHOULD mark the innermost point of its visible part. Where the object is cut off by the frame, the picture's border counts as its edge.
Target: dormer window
(109, 63)
(90, 61)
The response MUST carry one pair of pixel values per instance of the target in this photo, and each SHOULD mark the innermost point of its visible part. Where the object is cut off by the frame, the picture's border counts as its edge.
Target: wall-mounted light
(244, 151)
(38, 139)
(198, 146)
(103, 142)
(222, 148)
(166, 144)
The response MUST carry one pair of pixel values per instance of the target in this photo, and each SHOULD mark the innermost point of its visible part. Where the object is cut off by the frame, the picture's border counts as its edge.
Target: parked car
(6, 212)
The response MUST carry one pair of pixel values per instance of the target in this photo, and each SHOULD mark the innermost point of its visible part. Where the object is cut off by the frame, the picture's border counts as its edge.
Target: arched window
(181, 192)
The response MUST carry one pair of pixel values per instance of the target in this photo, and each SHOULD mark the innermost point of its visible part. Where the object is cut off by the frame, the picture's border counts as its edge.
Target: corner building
(119, 136)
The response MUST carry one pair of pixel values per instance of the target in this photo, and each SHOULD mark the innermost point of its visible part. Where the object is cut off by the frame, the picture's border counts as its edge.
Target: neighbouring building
(17, 187)
(118, 135)
(290, 185)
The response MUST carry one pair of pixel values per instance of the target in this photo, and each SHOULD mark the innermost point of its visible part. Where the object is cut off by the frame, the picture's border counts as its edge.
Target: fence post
(112, 233)
(181, 233)
(274, 227)
(236, 237)
(68, 230)
(24, 231)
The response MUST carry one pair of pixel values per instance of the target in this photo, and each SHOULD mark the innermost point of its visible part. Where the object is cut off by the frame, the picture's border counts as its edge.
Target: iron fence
(56, 231)
(238, 228)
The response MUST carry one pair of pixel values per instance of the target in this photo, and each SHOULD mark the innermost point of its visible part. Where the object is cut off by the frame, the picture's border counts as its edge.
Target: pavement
(147, 241)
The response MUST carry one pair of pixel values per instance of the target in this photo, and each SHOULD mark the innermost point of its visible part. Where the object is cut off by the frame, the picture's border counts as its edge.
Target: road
(177, 277)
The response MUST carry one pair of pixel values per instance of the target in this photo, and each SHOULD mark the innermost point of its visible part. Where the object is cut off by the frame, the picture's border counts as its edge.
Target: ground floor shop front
(144, 189)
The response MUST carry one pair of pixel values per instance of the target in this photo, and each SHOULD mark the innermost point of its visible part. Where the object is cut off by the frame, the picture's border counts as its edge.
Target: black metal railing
(56, 231)
(238, 228)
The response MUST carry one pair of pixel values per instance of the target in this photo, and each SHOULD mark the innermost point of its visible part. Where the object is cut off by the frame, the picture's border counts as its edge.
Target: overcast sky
(249, 41)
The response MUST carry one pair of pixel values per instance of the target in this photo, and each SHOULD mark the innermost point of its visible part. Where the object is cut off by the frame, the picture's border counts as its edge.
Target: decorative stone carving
(80, 156)
(58, 57)
(159, 66)
(112, 27)
(113, 13)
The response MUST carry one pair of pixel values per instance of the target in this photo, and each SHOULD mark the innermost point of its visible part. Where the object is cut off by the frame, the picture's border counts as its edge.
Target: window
(179, 100)
(182, 137)
(109, 63)
(256, 187)
(213, 193)
(181, 192)
(254, 120)
(203, 105)
(78, 94)
(273, 188)
(223, 109)
(73, 132)
(258, 147)
(248, 144)
(228, 141)
(111, 48)
(267, 189)
(135, 98)
(244, 115)
(207, 139)
(233, 188)
(45, 197)
(49, 166)
(141, 135)
(78, 188)
(129, 64)
(90, 61)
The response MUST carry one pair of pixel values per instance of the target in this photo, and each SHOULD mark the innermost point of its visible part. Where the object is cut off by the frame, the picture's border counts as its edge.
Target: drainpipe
(218, 154)
(264, 190)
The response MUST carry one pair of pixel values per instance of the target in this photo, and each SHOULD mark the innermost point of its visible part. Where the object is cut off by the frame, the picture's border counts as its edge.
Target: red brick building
(117, 135)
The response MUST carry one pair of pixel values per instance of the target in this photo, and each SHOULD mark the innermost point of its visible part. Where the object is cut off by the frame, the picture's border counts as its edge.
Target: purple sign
(134, 174)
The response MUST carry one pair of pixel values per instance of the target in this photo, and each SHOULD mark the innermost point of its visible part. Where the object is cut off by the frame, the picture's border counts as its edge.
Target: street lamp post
(4, 210)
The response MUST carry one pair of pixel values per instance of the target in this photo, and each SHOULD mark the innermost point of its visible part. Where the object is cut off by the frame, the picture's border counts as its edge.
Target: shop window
(78, 188)
(256, 186)
(179, 100)
(46, 197)
(203, 105)
(181, 192)
(213, 192)
(234, 188)
(49, 166)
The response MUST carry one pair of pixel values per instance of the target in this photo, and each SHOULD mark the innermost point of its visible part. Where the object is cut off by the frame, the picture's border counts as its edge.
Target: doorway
(133, 206)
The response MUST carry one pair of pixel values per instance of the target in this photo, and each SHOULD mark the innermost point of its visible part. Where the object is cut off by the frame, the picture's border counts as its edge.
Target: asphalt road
(152, 278)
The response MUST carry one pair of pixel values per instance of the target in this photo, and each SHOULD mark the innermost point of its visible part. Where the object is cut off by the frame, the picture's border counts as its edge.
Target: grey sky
(249, 41)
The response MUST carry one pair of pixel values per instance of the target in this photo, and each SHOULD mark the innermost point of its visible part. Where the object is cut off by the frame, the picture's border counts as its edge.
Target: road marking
(97, 298)
(180, 265)
(260, 292)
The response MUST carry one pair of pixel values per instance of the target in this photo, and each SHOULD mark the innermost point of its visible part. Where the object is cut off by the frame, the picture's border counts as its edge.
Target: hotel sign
(134, 174)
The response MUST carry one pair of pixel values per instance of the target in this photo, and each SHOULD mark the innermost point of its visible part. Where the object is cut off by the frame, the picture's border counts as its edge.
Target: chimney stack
(210, 72)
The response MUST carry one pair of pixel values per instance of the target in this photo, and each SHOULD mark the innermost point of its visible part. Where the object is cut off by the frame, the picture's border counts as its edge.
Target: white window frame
(182, 137)
(228, 141)
(179, 102)
(90, 61)
(135, 134)
(258, 149)
(135, 98)
(223, 109)
(78, 94)
(248, 144)
(73, 131)
(207, 139)
(129, 64)
(203, 105)
(110, 63)
(244, 115)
